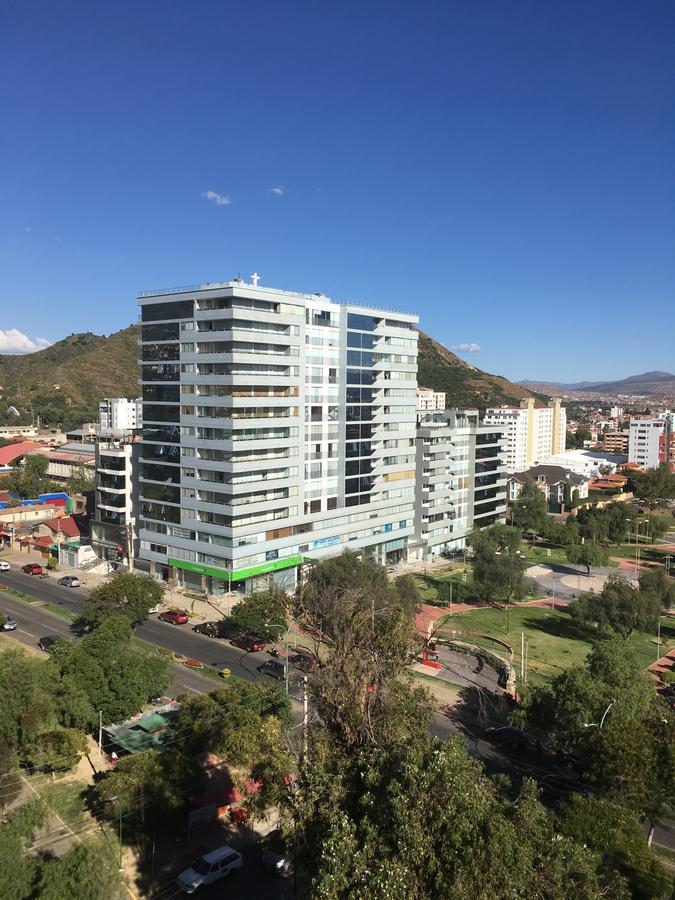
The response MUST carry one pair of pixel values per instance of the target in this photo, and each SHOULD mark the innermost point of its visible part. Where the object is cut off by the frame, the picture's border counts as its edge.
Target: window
(361, 323)
(178, 309)
(160, 332)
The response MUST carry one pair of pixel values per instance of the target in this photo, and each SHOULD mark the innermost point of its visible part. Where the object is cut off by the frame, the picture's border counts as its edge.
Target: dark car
(7, 623)
(305, 662)
(46, 643)
(249, 643)
(277, 864)
(508, 736)
(275, 668)
(32, 569)
(175, 616)
(210, 629)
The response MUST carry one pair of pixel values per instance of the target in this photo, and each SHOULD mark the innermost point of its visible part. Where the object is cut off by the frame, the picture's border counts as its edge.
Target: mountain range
(649, 383)
(64, 383)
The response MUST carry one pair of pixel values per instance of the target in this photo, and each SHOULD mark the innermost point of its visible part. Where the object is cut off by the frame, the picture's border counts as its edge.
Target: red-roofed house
(60, 528)
(12, 452)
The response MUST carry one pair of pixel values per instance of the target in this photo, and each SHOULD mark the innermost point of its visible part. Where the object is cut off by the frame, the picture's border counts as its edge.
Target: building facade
(615, 442)
(461, 480)
(278, 428)
(533, 431)
(643, 441)
(119, 414)
(113, 527)
(429, 400)
(553, 482)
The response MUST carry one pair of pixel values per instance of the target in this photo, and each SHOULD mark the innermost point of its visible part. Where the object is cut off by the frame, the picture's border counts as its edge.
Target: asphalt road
(34, 622)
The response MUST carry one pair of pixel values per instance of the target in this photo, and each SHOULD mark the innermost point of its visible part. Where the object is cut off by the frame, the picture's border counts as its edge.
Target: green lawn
(66, 799)
(428, 584)
(647, 554)
(554, 642)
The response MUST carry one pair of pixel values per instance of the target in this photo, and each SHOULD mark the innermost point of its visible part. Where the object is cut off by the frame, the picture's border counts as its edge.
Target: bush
(668, 677)
(51, 563)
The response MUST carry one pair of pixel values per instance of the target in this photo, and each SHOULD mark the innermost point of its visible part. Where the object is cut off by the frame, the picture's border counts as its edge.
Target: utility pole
(522, 656)
(450, 596)
(100, 737)
(130, 549)
(304, 716)
(526, 649)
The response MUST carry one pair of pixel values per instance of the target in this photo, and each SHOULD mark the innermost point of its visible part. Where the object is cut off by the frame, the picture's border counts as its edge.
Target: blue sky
(504, 168)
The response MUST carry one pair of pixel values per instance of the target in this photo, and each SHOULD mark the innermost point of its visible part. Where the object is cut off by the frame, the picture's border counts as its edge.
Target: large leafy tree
(655, 582)
(529, 510)
(112, 676)
(654, 485)
(608, 712)
(20, 870)
(87, 872)
(498, 564)
(263, 614)
(588, 554)
(619, 606)
(30, 480)
(125, 594)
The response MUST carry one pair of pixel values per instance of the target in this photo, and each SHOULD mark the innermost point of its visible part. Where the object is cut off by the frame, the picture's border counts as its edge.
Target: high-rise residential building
(429, 400)
(461, 480)
(533, 431)
(643, 441)
(113, 526)
(278, 427)
(119, 414)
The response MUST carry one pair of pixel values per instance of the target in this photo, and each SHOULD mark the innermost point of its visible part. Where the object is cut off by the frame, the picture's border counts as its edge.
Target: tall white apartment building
(113, 527)
(533, 431)
(643, 441)
(429, 400)
(461, 480)
(119, 414)
(278, 427)
(616, 412)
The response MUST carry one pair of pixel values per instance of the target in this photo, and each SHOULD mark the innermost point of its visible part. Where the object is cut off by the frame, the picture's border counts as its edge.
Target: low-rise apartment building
(615, 442)
(429, 400)
(644, 440)
(461, 480)
(114, 523)
(119, 415)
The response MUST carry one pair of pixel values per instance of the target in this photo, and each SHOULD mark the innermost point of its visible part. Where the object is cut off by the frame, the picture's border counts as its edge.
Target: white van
(211, 867)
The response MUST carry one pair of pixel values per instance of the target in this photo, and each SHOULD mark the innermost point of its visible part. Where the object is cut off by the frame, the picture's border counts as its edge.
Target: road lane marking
(194, 690)
(25, 632)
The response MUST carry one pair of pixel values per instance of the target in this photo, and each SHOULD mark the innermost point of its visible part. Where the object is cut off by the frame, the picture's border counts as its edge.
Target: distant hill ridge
(648, 383)
(67, 380)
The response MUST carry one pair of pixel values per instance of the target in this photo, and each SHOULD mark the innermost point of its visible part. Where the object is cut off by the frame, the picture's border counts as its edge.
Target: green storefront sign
(237, 574)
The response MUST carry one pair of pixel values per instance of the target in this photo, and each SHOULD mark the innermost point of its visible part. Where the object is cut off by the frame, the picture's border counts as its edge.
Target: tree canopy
(588, 554)
(126, 594)
(498, 564)
(619, 607)
(529, 510)
(263, 614)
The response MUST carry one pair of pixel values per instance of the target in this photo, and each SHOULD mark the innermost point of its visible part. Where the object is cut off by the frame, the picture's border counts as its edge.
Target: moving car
(46, 643)
(210, 629)
(70, 581)
(4, 565)
(209, 868)
(508, 735)
(305, 662)
(249, 643)
(7, 623)
(276, 668)
(277, 864)
(32, 569)
(175, 616)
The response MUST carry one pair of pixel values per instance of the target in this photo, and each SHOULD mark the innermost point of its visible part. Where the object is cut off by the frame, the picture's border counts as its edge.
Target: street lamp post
(602, 720)
(285, 630)
(553, 597)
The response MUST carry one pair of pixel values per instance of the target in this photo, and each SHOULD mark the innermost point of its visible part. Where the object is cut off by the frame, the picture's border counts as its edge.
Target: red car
(248, 643)
(175, 616)
(32, 569)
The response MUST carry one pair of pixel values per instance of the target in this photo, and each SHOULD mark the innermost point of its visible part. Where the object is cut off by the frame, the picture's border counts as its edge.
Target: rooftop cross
(255, 278)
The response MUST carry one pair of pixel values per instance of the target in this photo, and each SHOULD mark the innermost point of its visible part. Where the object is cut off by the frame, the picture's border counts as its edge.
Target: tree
(529, 510)
(56, 750)
(88, 871)
(588, 554)
(31, 480)
(498, 565)
(129, 595)
(406, 587)
(655, 582)
(109, 674)
(81, 481)
(619, 607)
(263, 614)
(613, 832)
(654, 485)
(631, 757)
(20, 869)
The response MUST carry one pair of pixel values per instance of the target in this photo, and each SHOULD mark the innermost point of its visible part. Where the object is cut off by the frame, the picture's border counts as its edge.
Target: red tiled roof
(13, 451)
(63, 525)
(45, 540)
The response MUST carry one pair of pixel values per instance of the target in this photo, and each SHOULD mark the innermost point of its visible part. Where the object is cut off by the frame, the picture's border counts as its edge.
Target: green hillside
(65, 382)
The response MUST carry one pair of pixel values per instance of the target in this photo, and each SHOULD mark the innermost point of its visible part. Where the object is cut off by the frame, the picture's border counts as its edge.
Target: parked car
(209, 868)
(70, 581)
(249, 643)
(276, 668)
(4, 565)
(175, 616)
(508, 735)
(305, 662)
(7, 623)
(153, 610)
(32, 569)
(210, 629)
(46, 643)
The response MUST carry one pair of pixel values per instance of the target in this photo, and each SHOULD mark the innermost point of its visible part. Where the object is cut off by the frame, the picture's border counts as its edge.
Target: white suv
(211, 867)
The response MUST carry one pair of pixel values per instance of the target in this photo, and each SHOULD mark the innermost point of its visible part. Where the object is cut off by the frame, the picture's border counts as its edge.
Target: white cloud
(466, 348)
(14, 341)
(279, 190)
(28, 228)
(218, 199)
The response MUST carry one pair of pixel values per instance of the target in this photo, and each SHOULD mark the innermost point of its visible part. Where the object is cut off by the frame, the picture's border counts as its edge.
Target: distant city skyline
(503, 170)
